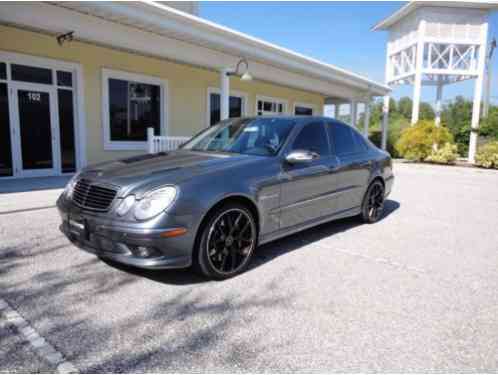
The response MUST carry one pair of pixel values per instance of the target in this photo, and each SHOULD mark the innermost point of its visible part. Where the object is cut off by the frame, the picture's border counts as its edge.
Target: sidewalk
(30, 193)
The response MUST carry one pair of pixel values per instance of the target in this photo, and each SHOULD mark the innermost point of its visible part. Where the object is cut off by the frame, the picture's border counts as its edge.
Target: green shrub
(417, 142)
(396, 126)
(487, 155)
(444, 155)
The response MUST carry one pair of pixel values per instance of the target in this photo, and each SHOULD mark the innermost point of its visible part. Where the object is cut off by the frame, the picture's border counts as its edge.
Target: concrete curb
(41, 346)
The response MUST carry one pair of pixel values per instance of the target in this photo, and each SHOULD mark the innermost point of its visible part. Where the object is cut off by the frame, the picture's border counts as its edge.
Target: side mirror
(301, 157)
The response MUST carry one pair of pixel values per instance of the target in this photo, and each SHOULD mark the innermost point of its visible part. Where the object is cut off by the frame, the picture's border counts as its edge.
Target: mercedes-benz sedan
(232, 187)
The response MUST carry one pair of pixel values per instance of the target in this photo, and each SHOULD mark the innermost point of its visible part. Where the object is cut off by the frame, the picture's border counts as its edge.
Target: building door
(41, 131)
(35, 130)
(6, 165)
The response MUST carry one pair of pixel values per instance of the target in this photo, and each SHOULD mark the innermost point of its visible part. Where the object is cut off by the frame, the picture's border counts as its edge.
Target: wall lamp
(246, 76)
(67, 37)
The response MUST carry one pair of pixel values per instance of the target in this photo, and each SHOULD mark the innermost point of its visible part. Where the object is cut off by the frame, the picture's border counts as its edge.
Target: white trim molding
(313, 107)
(107, 74)
(78, 95)
(238, 94)
(277, 101)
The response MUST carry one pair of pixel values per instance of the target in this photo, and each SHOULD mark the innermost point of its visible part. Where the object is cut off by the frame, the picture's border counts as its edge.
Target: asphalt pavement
(417, 291)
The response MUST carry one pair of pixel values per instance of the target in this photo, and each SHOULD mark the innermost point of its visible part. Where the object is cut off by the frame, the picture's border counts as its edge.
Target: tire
(372, 206)
(227, 242)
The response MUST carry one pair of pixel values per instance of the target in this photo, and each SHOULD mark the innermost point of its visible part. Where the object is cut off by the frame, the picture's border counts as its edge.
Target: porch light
(246, 76)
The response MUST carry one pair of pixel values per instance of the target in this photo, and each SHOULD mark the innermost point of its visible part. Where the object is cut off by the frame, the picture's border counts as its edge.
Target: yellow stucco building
(80, 83)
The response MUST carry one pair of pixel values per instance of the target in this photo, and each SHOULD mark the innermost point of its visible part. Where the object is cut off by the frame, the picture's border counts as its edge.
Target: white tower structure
(438, 43)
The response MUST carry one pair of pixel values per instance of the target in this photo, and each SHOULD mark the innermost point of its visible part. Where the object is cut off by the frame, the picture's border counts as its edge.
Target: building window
(270, 106)
(31, 74)
(3, 70)
(64, 78)
(235, 110)
(132, 104)
(301, 109)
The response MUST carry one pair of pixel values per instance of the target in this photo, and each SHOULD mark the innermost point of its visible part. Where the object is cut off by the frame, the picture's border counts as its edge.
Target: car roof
(299, 119)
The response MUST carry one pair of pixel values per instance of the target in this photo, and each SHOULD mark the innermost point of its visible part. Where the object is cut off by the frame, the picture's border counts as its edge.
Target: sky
(334, 32)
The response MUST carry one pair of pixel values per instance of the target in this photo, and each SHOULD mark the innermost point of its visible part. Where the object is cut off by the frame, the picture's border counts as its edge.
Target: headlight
(155, 202)
(69, 189)
(125, 205)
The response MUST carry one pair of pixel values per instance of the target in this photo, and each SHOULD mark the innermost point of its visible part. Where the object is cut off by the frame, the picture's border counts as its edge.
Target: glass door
(35, 130)
(6, 165)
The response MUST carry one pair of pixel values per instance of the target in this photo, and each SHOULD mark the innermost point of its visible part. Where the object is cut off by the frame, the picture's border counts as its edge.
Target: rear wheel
(227, 242)
(372, 207)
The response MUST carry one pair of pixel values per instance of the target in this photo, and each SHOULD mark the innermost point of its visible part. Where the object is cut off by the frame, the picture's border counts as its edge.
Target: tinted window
(133, 107)
(64, 78)
(5, 146)
(342, 138)
(66, 128)
(303, 111)
(3, 71)
(31, 74)
(360, 144)
(312, 138)
(235, 108)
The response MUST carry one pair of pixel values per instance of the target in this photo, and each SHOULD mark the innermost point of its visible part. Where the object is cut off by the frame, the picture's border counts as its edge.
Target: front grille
(93, 196)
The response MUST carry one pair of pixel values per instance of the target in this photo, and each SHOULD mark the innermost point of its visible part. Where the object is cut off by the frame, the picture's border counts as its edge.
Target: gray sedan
(236, 185)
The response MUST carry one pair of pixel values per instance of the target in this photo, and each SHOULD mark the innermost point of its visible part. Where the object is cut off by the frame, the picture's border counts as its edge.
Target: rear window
(360, 143)
(342, 138)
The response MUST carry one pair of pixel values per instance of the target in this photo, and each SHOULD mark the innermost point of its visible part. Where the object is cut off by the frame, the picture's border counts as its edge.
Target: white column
(337, 107)
(439, 96)
(385, 121)
(353, 111)
(417, 84)
(366, 117)
(477, 95)
(487, 90)
(224, 94)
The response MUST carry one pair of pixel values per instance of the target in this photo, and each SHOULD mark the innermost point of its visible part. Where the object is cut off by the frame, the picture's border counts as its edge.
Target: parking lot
(417, 291)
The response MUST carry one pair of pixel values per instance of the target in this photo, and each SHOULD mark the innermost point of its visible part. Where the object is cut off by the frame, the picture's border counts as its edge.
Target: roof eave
(327, 71)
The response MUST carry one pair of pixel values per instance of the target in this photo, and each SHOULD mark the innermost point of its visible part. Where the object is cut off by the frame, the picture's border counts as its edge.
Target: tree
(426, 112)
(405, 106)
(456, 116)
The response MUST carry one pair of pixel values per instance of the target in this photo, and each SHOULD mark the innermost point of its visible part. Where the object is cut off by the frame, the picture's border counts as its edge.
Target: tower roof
(405, 10)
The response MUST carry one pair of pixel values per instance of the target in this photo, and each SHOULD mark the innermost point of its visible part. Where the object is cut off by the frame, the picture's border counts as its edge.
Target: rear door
(354, 165)
(305, 187)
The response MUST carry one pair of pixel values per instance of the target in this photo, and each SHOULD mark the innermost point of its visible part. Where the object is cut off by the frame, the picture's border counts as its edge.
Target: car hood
(145, 172)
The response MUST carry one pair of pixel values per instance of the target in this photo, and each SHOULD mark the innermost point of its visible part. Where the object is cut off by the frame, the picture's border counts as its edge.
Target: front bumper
(124, 244)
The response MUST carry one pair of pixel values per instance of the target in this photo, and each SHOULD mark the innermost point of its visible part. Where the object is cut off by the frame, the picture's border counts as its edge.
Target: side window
(312, 137)
(342, 138)
(360, 143)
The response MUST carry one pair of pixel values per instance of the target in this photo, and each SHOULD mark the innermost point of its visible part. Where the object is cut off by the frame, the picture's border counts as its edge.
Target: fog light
(143, 251)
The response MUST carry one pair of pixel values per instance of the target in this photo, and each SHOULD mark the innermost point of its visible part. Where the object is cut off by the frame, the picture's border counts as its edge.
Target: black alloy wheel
(228, 242)
(373, 203)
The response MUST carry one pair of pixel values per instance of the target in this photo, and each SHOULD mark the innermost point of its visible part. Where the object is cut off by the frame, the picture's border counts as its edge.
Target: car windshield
(255, 136)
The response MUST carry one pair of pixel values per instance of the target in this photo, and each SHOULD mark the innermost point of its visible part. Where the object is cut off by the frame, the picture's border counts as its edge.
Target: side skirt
(308, 224)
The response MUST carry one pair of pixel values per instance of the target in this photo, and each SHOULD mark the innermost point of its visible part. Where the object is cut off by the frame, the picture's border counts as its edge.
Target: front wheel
(373, 203)
(227, 242)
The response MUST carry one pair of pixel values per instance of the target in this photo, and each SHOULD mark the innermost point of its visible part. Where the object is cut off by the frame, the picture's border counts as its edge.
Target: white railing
(157, 143)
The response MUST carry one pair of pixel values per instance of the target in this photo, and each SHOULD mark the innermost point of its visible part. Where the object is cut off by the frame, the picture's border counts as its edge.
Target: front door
(307, 189)
(35, 130)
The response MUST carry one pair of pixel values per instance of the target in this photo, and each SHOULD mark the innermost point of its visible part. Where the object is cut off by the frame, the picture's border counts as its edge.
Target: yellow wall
(187, 85)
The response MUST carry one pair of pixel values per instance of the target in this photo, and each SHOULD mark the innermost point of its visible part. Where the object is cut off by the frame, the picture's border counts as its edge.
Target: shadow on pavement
(263, 254)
